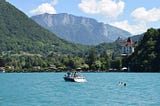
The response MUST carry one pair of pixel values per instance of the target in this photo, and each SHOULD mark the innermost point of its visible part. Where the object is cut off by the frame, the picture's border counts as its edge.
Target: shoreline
(60, 71)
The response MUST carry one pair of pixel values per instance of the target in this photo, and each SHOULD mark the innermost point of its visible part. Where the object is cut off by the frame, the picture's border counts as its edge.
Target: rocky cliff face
(80, 29)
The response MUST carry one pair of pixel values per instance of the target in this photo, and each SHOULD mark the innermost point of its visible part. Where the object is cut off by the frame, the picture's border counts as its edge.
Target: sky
(135, 16)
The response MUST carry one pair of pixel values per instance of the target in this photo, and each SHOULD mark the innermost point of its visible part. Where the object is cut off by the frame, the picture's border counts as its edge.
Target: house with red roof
(128, 47)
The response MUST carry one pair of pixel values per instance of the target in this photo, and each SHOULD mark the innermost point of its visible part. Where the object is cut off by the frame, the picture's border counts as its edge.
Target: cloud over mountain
(45, 8)
(142, 15)
(108, 8)
(134, 29)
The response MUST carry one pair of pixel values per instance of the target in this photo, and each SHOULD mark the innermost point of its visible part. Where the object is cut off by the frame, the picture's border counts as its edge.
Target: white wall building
(128, 47)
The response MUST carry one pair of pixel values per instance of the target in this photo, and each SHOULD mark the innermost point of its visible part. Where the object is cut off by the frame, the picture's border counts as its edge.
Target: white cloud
(142, 15)
(45, 8)
(108, 8)
(133, 29)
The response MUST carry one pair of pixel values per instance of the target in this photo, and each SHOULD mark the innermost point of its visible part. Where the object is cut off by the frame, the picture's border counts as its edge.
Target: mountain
(19, 33)
(26, 46)
(79, 29)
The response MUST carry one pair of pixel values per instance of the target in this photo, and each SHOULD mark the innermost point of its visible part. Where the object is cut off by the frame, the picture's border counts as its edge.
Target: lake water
(102, 89)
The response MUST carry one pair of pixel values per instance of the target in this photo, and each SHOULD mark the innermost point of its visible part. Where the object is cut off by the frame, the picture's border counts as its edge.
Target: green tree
(92, 57)
(146, 55)
(116, 64)
(105, 59)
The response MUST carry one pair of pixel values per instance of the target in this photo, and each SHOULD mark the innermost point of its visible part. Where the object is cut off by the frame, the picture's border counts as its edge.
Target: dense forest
(146, 57)
(92, 61)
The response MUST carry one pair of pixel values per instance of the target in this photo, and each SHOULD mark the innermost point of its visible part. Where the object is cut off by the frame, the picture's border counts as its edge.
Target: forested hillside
(146, 57)
(19, 33)
(25, 45)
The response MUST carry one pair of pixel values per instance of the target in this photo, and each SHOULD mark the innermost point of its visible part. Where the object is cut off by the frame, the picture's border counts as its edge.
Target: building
(128, 47)
(2, 69)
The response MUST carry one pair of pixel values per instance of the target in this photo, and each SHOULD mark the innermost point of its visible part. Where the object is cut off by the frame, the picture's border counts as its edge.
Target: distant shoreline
(60, 71)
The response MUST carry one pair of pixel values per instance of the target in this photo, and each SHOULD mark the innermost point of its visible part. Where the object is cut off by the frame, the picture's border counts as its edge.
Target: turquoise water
(102, 89)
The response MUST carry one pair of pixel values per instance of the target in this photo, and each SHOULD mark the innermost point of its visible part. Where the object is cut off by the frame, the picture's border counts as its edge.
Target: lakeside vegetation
(146, 57)
(27, 47)
(92, 60)
(99, 58)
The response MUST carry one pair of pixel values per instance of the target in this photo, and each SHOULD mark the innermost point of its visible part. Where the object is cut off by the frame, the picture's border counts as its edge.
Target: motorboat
(74, 77)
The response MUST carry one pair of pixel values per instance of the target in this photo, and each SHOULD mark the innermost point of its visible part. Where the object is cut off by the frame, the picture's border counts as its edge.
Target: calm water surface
(102, 89)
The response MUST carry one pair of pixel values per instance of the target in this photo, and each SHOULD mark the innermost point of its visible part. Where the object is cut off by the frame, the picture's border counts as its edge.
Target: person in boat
(68, 74)
(75, 74)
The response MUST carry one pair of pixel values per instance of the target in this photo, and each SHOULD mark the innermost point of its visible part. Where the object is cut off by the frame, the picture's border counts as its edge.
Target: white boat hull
(74, 79)
(80, 80)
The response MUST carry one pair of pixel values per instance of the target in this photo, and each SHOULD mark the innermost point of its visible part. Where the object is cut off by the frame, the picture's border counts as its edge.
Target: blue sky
(135, 16)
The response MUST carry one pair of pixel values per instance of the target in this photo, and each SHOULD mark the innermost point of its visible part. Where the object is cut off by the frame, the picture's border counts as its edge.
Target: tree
(116, 64)
(2, 62)
(105, 60)
(91, 58)
(146, 55)
(98, 65)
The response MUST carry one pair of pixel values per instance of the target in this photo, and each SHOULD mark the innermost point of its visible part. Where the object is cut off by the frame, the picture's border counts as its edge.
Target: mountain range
(19, 33)
(80, 29)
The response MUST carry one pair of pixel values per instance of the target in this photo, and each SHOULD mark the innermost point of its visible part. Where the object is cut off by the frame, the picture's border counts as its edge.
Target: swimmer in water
(122, 84)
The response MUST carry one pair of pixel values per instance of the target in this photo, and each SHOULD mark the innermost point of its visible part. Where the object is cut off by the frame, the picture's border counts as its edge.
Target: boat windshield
(73, 74)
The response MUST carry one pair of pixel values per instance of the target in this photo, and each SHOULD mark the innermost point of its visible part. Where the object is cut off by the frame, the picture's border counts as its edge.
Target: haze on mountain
(80, 29)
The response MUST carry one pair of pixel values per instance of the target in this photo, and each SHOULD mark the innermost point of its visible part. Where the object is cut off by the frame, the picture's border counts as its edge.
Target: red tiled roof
(128, 44)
